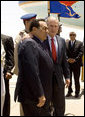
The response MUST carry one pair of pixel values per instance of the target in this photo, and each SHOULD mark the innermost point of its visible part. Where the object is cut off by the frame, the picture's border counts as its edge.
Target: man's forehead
(72, 33)
(53, 22)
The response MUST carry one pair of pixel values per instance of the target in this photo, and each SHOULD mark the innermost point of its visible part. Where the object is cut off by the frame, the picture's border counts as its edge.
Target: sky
(11, 23)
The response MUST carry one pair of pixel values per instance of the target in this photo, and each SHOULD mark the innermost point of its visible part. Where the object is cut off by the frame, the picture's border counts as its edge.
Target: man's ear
(34, 29)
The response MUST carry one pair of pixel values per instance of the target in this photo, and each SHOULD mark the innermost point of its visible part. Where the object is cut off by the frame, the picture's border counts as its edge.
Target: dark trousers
(58, 98)
(76, 75)
(6, 108)
(30, 109)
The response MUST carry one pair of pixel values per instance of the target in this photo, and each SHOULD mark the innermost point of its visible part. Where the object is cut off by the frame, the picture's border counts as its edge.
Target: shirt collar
(73, 41)
(49, 37)
(37, 40)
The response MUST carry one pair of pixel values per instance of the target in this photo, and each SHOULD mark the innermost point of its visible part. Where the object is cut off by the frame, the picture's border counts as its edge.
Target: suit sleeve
(80, 52)
(65, 64)
(9, 57)
(29, 64)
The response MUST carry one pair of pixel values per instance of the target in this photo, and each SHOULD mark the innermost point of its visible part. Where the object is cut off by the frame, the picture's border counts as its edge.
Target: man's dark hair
(35, 23)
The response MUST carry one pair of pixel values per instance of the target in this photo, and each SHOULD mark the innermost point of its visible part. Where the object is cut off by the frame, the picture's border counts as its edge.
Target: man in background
(74, 50)
(60, 29)
(26, 20)
(8, 65)
(2, 78)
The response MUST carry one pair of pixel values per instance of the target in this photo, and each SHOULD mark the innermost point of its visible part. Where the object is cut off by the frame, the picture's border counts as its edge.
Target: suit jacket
(9, 50)
(35, 72)
(75, 52)
(61, 65)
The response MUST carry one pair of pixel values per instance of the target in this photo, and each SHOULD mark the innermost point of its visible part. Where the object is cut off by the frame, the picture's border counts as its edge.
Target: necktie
(53, 50)
(72, 43)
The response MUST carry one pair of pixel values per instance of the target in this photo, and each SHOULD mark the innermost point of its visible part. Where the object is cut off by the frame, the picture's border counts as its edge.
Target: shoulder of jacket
(79, 41)
(60, 37)
(6, 39)
(5, 36)
(28, 42)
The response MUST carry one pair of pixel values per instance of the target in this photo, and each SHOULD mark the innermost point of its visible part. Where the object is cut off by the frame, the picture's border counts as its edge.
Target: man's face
(42, 30)
(72, 36)
(27, 24)
(53, 27)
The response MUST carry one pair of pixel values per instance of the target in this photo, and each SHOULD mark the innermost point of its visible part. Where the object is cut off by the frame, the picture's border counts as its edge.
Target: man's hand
(27, 36)
(67, 82)
(8, 75)
(42, 100)
(71, 60)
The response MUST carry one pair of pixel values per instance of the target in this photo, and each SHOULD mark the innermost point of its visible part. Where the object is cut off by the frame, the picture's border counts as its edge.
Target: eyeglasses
(44, 28)
(72, 35)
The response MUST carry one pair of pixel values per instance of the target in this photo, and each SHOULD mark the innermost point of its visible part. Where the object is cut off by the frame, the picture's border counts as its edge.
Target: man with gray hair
(57, 49)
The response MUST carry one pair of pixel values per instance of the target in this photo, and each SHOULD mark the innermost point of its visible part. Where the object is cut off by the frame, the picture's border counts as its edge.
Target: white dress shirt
(55, 42)
(72, 42)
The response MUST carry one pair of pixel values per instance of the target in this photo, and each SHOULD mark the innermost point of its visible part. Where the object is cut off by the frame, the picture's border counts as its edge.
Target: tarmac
(74, 106)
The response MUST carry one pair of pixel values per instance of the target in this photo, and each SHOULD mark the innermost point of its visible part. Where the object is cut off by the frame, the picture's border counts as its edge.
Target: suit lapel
(71, 47)
(47, 47)
(74, 44)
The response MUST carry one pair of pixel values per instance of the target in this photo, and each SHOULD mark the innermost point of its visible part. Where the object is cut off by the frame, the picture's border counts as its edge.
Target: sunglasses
(72, 34)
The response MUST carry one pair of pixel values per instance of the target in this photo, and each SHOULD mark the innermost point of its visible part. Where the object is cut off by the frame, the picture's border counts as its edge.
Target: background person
(74, 50)
(8, 65)
(2, 78)
(27, 18)
(59, 29)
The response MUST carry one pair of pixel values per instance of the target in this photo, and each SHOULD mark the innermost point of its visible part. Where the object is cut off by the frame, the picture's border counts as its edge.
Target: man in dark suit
(56, 47)
(34, 84)
(8, 65)
(74, 50)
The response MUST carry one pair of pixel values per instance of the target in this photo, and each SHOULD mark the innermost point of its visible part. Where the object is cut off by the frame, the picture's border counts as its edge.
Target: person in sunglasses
(74, 49)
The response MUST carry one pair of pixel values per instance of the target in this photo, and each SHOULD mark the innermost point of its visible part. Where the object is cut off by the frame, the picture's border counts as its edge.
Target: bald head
(53, 26)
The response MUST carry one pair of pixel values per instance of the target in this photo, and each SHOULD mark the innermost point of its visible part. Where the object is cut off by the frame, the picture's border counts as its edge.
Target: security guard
(26, 20)
(60, 28)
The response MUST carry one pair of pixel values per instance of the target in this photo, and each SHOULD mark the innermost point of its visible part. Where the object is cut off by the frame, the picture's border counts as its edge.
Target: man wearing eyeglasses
(74, 50)
(34, 84)
(27, 18)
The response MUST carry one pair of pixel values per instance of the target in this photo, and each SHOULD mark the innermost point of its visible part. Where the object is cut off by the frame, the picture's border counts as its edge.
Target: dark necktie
(72, 44)
(53, 50)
